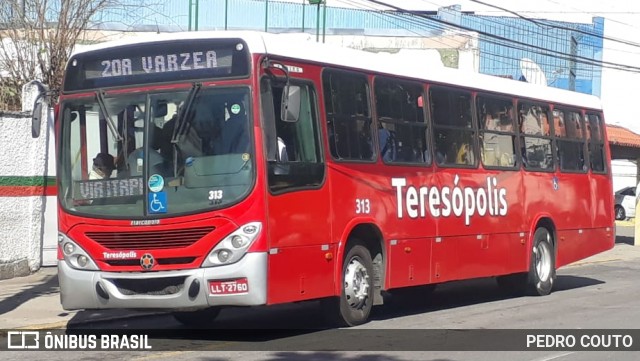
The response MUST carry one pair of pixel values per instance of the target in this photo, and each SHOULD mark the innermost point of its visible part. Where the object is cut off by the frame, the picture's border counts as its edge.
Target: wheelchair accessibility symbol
(157, 202)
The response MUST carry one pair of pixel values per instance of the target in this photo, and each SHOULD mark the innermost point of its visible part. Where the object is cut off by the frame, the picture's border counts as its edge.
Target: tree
(38, 36)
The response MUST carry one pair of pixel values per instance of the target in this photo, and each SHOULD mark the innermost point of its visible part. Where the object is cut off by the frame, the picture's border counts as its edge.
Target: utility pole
(226, 13)
(193, 21)
(303, 1)
(324, 20)
(266, 15)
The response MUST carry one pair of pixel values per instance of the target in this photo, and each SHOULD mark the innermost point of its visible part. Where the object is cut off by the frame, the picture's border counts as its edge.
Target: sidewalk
(34, 301)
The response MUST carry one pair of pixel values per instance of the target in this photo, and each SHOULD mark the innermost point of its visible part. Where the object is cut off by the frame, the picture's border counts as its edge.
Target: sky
(622, 21)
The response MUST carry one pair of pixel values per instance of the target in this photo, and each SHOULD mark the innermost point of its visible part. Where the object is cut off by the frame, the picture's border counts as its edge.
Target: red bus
(212, 169)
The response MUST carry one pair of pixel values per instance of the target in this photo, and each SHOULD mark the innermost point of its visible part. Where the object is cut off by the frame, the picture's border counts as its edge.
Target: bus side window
(535, 138)
(497, 137)
(569, 140)
(454, 134)
(346, 97)
(297, 161)
(402, 131)
(595, 143)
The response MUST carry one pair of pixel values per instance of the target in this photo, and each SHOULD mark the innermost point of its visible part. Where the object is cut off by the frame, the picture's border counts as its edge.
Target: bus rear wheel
(354, 305)
(199, 318)
(542, 269)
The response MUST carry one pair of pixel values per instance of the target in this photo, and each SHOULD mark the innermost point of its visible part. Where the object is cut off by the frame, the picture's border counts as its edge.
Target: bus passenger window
(595, 144)
(348, 115)
(402, 131)
(454, 134)
(536, 143)
(497, 136)
(569, 139)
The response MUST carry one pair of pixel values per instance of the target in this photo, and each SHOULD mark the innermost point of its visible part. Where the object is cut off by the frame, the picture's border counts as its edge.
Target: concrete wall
(24, 172)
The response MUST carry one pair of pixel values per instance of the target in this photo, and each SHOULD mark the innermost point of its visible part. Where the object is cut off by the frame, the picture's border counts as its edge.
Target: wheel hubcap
(356, 284)
(543, 261)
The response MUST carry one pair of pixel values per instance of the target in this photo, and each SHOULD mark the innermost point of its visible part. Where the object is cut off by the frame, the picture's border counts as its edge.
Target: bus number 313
(363, 206)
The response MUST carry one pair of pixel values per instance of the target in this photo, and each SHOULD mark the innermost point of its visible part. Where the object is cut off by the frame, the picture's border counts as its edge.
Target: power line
(626, 42)
(576, 58)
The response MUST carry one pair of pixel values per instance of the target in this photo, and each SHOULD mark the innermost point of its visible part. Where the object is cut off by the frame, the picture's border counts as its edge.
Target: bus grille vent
(178, 238)
(154, 286)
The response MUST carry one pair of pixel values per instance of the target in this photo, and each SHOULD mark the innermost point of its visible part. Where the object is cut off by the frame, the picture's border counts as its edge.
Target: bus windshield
(139, 155)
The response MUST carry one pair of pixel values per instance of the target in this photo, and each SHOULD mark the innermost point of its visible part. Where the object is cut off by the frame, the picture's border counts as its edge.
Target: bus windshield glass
(157, 154)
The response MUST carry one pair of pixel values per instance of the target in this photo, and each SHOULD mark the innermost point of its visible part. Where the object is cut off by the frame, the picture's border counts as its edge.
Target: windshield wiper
(181, 121)
(105, 114)
(180, 125)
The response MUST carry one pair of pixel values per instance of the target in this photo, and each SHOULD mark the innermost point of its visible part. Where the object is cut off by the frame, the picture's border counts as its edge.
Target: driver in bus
(103, 166)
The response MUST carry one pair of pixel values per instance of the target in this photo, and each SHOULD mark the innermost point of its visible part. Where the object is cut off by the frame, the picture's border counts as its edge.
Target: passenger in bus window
(546, 130)
(558, 123)
(420, 153)
(530, 121)
(573, 127)
(103, 166)
(505, 122)
(387, 144)
(443, 148)
(491, 119)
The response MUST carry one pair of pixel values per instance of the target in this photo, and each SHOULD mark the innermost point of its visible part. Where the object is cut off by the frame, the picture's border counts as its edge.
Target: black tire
(542, 269)
(197, 319)
(620, 213)
(354, 305)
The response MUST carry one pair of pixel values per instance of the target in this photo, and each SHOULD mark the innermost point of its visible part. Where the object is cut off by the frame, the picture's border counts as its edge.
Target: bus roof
(292, 47)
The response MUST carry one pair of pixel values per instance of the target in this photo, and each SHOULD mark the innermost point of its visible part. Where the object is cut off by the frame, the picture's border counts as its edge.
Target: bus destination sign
(157, 62)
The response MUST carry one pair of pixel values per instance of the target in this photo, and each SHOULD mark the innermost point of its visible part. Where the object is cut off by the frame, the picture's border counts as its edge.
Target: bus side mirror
(36, 110)
(290, 108)
(36, 118)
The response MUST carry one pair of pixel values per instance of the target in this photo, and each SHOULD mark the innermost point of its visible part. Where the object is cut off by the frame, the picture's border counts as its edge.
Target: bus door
(298, 205)
(571, 185)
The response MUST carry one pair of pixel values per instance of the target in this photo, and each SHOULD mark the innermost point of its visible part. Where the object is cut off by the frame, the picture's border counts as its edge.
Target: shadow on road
(48, 285)
(566, 283)
(324, 356)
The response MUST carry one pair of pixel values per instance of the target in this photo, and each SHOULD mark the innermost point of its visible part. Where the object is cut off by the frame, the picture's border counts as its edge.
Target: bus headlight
(74, 255)
(234, 246)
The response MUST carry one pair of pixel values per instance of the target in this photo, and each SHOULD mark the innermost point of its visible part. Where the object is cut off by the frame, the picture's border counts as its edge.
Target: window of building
(453, 127)
(347, 107)
(497, 132)
(535, 130)
(402, 131)
(568, 129)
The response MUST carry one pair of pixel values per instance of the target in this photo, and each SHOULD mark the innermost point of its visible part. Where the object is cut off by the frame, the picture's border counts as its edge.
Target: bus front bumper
(183, 289)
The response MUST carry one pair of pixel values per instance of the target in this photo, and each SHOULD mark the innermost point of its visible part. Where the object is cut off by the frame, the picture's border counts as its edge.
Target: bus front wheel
(354, 305)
